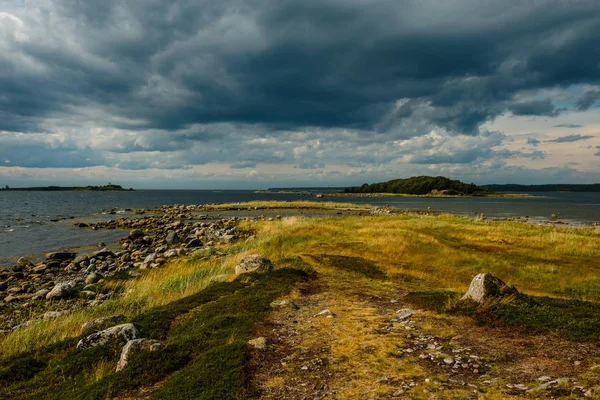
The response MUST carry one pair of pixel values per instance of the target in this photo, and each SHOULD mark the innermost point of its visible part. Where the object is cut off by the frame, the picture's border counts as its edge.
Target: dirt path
(373, 345)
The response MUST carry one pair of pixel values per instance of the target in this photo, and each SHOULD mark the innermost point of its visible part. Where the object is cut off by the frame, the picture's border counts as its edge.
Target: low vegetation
(358, 263)
(420, 185)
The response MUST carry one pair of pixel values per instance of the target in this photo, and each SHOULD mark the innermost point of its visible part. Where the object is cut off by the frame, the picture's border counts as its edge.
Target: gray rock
(403, 314)
(260, 343)
(325, 313)
(170, 253)
(136, 345)
(150, 258)
(103, 253)
(93, 278)
(60, 291)
(40, 294)
(485, 286)
(285, 303)
(173, 238)
(120, 332)
(54, 314)
(102, 322)
(253, 262)
(61, 255)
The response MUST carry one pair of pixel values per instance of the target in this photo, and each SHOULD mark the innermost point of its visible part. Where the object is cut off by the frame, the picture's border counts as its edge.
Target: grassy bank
(202, 314)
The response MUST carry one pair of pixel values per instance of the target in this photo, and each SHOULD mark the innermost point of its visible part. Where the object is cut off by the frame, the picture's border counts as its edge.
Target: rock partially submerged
(253, 262)
(136, 345)
(120, 332)
(485, 286)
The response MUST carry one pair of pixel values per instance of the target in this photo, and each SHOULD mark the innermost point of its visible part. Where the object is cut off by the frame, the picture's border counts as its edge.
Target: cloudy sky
(261, 93)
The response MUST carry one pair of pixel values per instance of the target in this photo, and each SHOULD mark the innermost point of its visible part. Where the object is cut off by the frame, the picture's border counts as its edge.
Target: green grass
(205, 337)
(571, 319)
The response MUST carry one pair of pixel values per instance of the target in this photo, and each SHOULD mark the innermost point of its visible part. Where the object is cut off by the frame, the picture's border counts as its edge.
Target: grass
(205, 337)
(204, 319)
(262, 205)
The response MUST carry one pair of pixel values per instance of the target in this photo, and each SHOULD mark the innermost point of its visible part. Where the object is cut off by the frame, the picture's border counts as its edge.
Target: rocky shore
(66, 280)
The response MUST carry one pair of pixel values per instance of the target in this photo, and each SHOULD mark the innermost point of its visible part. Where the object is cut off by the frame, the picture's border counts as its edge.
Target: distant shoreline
(106, 188)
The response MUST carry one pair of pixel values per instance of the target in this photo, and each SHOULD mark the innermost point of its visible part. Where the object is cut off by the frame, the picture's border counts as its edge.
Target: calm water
(26, 225)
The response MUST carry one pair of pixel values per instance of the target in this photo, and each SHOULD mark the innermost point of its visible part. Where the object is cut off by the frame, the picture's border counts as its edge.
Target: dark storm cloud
(570, 139)
(568, 126)
(536, 107)
(588, 99)
(291, 64)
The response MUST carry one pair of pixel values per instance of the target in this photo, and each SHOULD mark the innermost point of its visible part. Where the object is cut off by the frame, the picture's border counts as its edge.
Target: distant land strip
(105, 188)
(594, 187)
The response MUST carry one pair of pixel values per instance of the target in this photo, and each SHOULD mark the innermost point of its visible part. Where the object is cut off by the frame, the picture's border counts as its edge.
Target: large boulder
(173, 238)
(136, 345)
(253, 262)
(485, 286)
(60, 291)
(124, 332)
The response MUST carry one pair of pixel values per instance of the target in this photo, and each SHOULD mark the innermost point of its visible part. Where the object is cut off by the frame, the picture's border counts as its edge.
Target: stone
(120, 332)
(54, 314)
(253, 262)
(173, 238)
(24, 262)
(170, 253)
(61, 255)
(102, 322)
(3, 286)
(227, 238)
(136, 345)
(136, 234)
(325, 313)
(449, 360)
(10, 298)
(93, 278)
(485, 286)
(260, 343)
(60, 291)
(40, 268)
(285, 303)
(403, 314)
(150, 258)
(193, 243)
(40, 294)
(81, 225)
(103, 253)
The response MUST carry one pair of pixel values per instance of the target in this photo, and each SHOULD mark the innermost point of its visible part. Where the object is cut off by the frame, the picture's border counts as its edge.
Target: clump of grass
(353, 264)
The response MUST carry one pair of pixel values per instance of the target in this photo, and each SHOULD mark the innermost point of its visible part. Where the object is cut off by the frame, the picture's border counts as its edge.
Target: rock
(193, 243)
(173, 238)
(170, 253)
(120, 332)
(40, 294)
(24, 262)
(403, 314)
(227, 238)
(93, 278)
(10, 298)
(81, 225)
(259, 343)
(485, 286)
(60, 291)
(150, 258)
(327, 313)
(136, 345)
(61, 255)
(103, 253)
(254, 262)
(54, 314)
(87, 294)
(40, 268)
(3, 286)
(102, 322)
(284, 303)
(449, 360)
(136, 234)
(544, 378)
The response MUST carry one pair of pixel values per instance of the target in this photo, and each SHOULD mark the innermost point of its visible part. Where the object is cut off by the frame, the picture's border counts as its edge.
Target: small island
(421, 186)
(105, 188)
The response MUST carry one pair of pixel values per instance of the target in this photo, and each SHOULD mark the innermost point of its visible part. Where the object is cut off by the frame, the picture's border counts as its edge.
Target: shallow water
(36, 222)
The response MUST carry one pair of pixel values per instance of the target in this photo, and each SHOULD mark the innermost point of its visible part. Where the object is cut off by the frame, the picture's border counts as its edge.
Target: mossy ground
(365, 268)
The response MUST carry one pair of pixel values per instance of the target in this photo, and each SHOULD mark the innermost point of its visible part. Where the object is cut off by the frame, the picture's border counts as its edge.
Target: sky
(253, 94)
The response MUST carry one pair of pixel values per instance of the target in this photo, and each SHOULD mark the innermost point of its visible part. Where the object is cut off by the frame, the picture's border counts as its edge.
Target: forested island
(105, 188)
(422, 185)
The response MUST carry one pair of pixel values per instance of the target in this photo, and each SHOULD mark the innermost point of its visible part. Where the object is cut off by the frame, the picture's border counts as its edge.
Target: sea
(35, 222)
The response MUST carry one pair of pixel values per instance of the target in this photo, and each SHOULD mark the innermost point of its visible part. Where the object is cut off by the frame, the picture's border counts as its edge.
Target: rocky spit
(66, 281)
